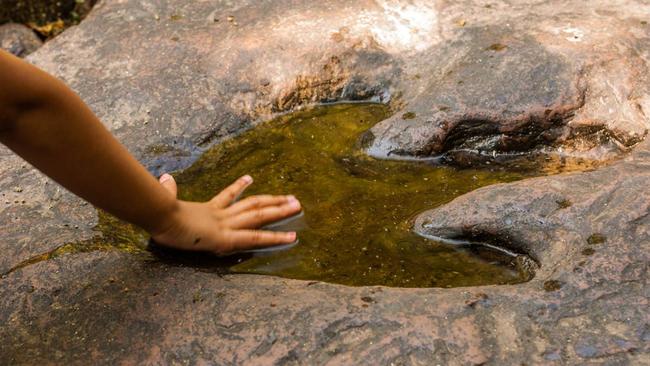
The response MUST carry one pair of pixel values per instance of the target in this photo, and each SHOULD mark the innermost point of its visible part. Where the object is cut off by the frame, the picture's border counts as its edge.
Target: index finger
(230, 194)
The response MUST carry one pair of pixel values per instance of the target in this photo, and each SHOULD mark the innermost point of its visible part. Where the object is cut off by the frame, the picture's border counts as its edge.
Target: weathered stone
(18, 39)
(525, 216)
(525, 83)
(486, 98)
(171, 78)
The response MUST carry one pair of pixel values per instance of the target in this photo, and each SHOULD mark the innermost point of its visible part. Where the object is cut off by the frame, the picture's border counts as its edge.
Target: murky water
(358, 210)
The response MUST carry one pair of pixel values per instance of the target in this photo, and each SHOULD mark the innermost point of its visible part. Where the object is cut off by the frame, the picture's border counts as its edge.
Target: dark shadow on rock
(202, 261)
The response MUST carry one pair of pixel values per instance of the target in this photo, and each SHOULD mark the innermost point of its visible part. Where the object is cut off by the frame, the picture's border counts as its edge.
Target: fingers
(168, 182)
(257, 202)
(250, 239)
(228, 195)
(255, 218)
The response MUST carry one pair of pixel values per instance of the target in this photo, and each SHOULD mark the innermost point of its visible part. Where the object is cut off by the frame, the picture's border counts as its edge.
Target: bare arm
(47, 124)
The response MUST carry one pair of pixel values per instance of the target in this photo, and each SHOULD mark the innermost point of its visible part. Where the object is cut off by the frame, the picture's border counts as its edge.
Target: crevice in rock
(56, 252)
(523, 260)
(484, 135)
(122, 237)
(70, 248)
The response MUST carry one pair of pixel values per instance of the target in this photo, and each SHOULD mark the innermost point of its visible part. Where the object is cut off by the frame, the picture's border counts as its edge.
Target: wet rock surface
(18, 39)
(170, 79)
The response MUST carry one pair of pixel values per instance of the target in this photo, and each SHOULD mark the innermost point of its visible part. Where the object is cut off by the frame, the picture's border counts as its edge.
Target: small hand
(223, 227)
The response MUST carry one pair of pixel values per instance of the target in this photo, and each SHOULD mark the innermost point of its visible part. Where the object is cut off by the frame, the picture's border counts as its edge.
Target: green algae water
(358, 210)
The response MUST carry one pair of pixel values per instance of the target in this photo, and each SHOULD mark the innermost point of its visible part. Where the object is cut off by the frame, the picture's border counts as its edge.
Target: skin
(48, 125)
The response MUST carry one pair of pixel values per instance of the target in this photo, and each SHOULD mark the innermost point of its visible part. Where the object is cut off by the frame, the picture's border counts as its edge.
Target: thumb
(168, 182)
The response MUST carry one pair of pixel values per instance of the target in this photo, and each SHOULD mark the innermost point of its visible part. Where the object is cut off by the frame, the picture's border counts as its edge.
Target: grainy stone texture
(521, 77)
(170, 78)
(18, 39)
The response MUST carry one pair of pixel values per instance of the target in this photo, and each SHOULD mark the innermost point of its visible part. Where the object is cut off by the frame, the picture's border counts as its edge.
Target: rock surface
(171, 78)
(18, 39)
(567, 79)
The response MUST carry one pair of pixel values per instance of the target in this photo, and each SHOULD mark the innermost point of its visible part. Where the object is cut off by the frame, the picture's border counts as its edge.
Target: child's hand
(46, 123)
(221, 226)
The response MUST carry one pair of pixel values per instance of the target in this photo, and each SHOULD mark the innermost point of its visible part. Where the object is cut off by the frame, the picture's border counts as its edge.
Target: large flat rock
(171, 78)
(109, 308)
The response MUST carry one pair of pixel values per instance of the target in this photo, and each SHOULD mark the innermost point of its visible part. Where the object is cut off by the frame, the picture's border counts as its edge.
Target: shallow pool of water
(358, 210)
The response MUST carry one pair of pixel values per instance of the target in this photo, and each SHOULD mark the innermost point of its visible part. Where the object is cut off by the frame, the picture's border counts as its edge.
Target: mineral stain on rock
(552, 285)
(594, 239)
(408, 115)
(497, 47)
(588, 251)
(563, 203)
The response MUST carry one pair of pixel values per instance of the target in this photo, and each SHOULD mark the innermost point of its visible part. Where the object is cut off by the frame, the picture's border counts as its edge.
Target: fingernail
(165, 177)
(291, 198)
(248, 179)
(294, 203)
(292, 235)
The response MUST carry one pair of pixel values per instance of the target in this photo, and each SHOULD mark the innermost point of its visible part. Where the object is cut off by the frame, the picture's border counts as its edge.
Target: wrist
(167, 219)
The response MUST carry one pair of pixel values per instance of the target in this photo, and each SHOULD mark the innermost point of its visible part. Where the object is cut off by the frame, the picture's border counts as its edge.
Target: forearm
(56, 132)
